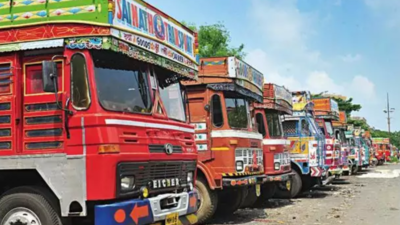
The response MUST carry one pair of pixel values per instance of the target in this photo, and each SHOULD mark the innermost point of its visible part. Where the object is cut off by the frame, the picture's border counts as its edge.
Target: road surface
(370, 198)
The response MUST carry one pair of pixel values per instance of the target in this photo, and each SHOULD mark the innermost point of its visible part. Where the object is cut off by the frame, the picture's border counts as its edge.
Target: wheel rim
(21, 216)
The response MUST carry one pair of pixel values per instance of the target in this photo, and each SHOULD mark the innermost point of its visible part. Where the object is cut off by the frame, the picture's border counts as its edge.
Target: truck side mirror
(49, 76)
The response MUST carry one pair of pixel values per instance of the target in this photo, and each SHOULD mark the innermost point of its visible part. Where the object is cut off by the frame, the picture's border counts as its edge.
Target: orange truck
(230, 164)
(277, 101)
(326, 111)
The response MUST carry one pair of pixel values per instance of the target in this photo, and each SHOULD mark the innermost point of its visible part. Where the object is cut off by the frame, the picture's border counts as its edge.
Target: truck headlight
(127, 183)
(277, 166)
(239, 166)
(190, 177)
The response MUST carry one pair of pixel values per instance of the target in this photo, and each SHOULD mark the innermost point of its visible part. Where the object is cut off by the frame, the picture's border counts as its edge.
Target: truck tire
(297, 185)
(231, 200)
(208, 201)
(268, 191)
(250, 199)
(25, 204)
(354, 170)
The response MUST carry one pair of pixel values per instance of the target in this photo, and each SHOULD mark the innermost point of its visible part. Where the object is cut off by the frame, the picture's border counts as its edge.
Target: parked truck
(354, 154)
(93, 119)
(326, 111)
(380, 145)
(339, 129)
(277, 101)
(307, 142)
(230, 148)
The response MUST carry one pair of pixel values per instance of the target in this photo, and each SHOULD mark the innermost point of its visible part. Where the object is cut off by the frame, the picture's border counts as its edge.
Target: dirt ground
(372, 197)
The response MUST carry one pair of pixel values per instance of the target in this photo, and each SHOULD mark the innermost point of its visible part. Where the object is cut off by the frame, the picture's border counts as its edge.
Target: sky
(346, 47)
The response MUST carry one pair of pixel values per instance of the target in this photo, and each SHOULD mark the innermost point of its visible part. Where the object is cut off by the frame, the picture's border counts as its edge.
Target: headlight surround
(277, 166)
(127, 183)
(239, 166)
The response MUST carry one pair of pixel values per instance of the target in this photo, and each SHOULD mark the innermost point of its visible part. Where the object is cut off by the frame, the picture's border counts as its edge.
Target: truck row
(109, 116)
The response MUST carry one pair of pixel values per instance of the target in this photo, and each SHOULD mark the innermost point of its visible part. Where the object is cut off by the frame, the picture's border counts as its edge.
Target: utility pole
(388, 110)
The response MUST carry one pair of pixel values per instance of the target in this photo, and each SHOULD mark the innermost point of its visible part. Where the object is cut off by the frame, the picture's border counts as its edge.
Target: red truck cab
(93, 119)
(277, 101)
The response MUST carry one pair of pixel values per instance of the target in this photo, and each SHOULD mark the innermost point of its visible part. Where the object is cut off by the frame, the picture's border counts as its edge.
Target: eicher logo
(165, 183)
(132, 15)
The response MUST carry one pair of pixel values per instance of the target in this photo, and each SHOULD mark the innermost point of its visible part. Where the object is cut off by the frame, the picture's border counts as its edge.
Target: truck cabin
(276, 102)
(85, 98)
(219, 105)
(301, 124)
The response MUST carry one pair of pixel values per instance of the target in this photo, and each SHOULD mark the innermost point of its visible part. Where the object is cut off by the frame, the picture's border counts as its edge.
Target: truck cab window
(122, 82)
(274, 123)
(216, 107)
(261, 124)
(79, 82)
(305, 128)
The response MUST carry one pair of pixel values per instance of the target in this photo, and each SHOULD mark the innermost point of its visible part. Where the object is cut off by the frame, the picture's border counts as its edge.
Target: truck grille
(161, 149)
(146, 172)
(247, 155)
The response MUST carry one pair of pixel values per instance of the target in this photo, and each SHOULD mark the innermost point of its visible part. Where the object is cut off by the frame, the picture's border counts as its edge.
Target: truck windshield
(329, 128)
(274, 123)
(237, 110)
(122, 82)
(172, 98)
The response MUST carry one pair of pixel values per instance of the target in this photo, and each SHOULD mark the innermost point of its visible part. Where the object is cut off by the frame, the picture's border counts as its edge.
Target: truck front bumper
(280, 177)
(149, 211)
(243, 181)
(335, 171)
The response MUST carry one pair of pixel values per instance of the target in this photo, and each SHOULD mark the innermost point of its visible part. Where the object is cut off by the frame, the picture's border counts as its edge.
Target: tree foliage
(214, 41)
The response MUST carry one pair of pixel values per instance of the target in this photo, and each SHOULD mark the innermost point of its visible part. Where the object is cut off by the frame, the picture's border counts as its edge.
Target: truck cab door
(9, 108)
(42, 119)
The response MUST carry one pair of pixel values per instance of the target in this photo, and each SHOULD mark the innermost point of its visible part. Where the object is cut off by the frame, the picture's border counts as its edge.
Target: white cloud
(362, 87)
(351, 58)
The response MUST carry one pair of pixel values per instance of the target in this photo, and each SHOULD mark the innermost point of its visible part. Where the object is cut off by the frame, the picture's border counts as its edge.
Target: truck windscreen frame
(237, 111)
(122, 83)
(172, 97)
(274, 123)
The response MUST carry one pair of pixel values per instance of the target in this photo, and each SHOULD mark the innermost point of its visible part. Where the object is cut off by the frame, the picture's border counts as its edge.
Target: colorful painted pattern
(73, 10)
(213, 63)
(130, 50)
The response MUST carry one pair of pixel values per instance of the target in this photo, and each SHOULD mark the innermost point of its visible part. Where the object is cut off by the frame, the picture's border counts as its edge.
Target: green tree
(214, 41)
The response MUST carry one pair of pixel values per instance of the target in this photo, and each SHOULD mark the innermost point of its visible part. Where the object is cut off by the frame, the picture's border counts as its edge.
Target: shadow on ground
(258, 213)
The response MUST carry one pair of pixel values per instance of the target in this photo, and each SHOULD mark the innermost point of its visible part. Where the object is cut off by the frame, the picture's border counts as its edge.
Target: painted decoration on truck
(282, 94)
(153, 46)
(334, 107)
(31, 12)
(137, 17)
(129, 50)
(246, 75)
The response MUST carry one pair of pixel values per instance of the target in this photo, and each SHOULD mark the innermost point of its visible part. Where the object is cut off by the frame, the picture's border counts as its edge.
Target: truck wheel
(354, 170)
(27, 208)
(230, 200)
(250, 199)
(268, 191)
(308, 182)
(297, 184)
(208, 201)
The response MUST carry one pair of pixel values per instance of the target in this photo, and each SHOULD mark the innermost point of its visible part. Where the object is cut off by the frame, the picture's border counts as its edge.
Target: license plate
(172, 219)
(288, 185)
(258, 190)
